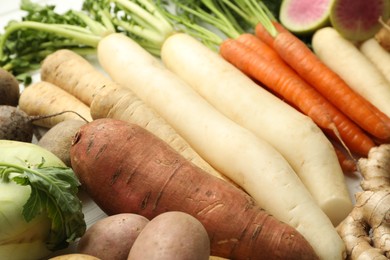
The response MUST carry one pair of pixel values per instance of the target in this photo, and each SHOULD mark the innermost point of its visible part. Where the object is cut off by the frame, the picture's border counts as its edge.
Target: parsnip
(350, 64)
(79, 81)
(293, 134)
(44, 98)
(248, 160)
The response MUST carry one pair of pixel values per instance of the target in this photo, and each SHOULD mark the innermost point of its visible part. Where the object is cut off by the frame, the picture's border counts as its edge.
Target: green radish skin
(377, 55)
(293, 134)
(127, 169)
(305, 16)
(248, 160)
(358, 20)
(344, 58)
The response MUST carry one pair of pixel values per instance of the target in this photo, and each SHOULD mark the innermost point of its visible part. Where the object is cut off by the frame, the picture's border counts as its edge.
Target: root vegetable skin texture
(83, 88)
(112, 237)
(233, 150)
(172, 235)
(344, 58)
(44, 98)
(366, 230)
(15, 124)
(378, 56)
(296, 136)
(108, 99)
(123, 104)
(125, 168)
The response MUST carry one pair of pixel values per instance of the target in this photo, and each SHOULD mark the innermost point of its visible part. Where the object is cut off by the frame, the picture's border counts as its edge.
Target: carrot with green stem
(296, 53)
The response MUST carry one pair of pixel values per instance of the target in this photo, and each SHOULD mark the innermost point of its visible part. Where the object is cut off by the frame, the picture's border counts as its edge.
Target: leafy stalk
(42, 30)
(208, 20)
(53, 192)
(254, 12)
(141, 20)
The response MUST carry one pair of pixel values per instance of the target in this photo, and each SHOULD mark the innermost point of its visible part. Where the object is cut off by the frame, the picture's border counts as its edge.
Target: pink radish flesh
(306, 11)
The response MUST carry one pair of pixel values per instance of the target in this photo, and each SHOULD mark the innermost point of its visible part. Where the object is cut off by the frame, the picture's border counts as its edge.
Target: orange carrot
(347, 164)
(346, 161)
(296, 53)
(265, 35)
(262, 65)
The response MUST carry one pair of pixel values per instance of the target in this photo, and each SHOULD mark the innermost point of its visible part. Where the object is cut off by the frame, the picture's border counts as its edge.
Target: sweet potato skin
(125, 168)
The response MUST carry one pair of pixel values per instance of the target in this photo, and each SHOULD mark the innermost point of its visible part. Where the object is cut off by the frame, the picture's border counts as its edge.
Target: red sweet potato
(126, 169)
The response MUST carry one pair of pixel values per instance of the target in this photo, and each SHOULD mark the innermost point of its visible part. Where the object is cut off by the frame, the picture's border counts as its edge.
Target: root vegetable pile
(107, 99)
(219, 112)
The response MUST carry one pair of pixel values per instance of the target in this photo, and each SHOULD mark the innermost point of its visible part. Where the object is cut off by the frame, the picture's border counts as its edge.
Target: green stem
(10, 168)
(254, 12)
(145, 33)
(148, 15)
(68, 31)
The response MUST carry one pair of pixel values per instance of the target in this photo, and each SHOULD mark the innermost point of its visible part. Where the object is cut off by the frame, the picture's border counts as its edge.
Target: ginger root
(366, 230)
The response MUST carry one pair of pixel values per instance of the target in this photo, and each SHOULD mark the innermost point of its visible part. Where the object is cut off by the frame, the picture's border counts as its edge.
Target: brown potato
(9, 88)
(58, 139)
(74, 257)
(112, 237)
(172, 235)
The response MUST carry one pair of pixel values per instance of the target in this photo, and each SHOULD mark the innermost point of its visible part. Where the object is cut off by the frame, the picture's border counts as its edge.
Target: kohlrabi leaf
(53, 192)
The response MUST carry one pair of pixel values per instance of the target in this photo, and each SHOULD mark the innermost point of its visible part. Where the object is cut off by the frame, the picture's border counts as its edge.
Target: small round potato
(74, 257)
(112, 237)
(9, 89)
(58, 139)
(172, 235)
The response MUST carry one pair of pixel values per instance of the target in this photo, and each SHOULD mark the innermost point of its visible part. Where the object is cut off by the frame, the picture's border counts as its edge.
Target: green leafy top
(141, 20)
(24, 44)
(53, 192)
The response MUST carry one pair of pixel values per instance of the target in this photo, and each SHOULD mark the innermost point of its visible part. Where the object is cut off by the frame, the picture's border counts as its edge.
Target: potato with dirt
(112, 237)
(9, 88)
(172, 235)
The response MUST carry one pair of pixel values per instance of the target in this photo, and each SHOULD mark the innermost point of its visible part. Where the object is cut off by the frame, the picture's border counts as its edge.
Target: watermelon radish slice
(305, 16)
(358, 20)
